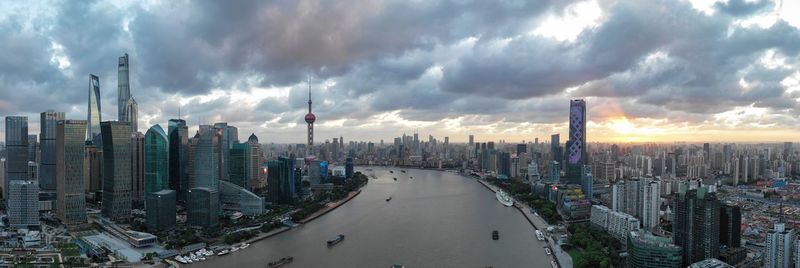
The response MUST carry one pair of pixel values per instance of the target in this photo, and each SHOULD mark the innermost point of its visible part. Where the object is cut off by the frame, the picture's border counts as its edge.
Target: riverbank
(562, 258)
(329, 207)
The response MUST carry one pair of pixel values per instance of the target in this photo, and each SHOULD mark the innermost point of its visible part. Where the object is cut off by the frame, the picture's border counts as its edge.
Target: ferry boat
(504, 198)
(223, 252)
(389, 199)
(336, 240)
(280, 262)
(547, 250)
(539, 235)
(554, 264)
(244, 246)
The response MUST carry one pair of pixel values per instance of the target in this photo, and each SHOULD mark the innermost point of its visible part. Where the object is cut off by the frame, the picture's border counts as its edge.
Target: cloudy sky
(700, 70)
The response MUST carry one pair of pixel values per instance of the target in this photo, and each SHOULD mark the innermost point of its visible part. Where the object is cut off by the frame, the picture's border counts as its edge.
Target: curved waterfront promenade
(437, 219)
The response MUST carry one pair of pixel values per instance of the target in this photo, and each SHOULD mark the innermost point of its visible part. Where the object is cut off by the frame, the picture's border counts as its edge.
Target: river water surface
(436, 219)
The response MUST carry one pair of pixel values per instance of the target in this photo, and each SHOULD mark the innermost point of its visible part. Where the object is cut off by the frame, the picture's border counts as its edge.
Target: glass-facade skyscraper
(203, 207)
(132, 114)
(281, 180)
(116, 170)
(156, 160)
(70, 149)
(93, 113)
(47, 142)
(648, 251)
(695, 224)
(576, 144)
(178, 157)
(206, 159)
(160, 209)
(123, 87)
(16, 149)
(23, 203)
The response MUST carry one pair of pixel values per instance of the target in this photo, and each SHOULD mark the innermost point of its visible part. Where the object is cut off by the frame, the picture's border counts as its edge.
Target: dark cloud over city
(380, 68)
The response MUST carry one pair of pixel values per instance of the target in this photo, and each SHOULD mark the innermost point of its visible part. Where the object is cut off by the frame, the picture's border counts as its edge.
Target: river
(436, 219)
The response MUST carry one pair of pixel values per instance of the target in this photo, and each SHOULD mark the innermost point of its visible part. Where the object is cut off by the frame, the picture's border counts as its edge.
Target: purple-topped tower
(310, 118)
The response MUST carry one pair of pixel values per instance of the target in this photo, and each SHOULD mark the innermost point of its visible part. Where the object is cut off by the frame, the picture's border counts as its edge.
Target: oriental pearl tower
(310, 118)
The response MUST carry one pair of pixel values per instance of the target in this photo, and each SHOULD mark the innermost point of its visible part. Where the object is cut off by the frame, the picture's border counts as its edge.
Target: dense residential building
(70, 189)
(23, 203)
(621, 224)
(695, 224)
(779, 247)
(117, 180)
(281, 180)
(47, 142)
(93, 116)
(160, 209)
(178, 157)
(651, 203)
(648, 251)
(156, 160)
(203, 207)
(16, 150)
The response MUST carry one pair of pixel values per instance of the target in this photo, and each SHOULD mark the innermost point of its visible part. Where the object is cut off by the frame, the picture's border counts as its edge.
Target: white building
(779, 247)
(651, 203)
(599, 216)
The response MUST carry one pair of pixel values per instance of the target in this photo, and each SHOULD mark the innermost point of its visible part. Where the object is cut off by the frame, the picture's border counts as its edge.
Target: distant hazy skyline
(661, 71)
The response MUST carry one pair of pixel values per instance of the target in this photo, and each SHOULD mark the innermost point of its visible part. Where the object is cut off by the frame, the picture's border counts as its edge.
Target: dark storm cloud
(427, 60)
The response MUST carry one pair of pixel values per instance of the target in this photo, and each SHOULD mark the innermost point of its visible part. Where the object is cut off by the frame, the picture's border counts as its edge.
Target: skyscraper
(281, 180)
(254, 166)
(137, 167)
(310, 118)
(47, 143)
(92, 168)
(160, 209)
(93, 113)
(587, 181)
(555, 148)
(206, 160)
(178, 157)
(156, 160)
(730, 218)
(117, 180)
(224, 150)
(239, 163)
(651, 203)
(123, 88)
(69, 152)
(779, 246)
(23, 203)
(16, 150)
(695, 224)
(576, 144)
(203, 205)
(132, 114)
(33, 149)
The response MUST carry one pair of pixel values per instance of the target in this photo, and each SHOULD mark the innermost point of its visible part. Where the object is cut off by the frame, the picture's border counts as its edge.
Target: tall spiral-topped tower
(310, 118)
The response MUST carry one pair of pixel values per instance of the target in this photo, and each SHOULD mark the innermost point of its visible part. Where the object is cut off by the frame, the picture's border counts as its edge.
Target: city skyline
(735, 84)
